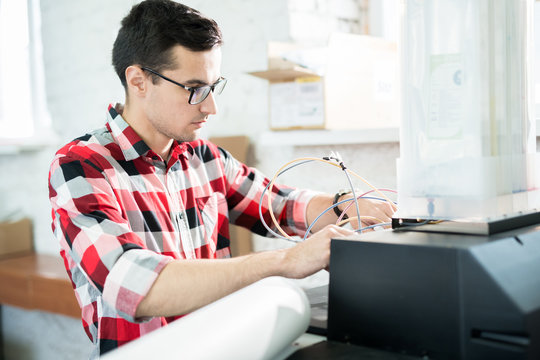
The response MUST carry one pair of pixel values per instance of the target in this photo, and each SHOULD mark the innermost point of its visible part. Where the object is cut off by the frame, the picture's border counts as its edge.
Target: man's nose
(209, 105)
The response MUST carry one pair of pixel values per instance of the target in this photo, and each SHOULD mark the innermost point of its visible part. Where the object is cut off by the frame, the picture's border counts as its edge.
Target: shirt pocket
(213, 212)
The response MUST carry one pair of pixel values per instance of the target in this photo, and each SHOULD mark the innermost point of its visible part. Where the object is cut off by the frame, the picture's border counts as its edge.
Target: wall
(80, 83)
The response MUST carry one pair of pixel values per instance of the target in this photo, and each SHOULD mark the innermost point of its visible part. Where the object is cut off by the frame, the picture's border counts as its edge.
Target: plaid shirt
(121, 213)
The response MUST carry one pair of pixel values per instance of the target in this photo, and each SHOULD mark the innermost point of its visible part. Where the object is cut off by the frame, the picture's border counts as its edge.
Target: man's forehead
(181, 54)
(198, 67)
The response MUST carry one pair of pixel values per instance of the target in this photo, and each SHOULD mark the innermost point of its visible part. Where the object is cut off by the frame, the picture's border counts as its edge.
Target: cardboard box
(296, 93)
(359, 88)
(16, 238)
(239, 147)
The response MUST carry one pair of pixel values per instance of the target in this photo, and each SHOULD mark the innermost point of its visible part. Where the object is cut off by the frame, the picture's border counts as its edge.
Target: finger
(384, 214)
(371, 220)
(380, 209)
(390, 209)
(342, 231)
(385, 207)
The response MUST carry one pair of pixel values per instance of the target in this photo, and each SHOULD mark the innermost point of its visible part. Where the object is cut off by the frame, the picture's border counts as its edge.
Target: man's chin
(189, 137)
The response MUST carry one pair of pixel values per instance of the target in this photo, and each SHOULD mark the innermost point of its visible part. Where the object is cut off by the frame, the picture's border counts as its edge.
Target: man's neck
(156, 141)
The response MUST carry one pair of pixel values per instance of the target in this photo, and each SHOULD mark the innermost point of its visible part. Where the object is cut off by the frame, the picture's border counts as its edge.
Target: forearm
(186, 285)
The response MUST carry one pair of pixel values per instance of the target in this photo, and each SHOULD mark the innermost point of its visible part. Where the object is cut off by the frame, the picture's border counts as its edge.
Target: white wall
(80, 83)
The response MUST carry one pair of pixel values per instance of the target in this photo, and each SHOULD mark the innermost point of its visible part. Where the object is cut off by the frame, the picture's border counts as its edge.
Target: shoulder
(207, 150)
(93, 149)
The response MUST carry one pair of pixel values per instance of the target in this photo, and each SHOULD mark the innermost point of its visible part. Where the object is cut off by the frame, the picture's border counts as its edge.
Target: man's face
(166, 104)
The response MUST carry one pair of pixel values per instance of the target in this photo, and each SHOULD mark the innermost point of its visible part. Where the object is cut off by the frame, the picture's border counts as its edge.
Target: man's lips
(199, 123)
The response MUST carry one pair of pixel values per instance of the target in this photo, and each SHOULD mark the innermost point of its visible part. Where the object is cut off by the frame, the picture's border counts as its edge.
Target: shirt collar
(130, 142)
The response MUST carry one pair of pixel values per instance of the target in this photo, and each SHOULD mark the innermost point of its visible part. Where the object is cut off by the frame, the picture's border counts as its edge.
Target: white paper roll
(256, 322)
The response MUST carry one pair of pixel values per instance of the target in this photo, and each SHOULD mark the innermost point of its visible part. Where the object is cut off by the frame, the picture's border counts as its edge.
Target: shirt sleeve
(245, 186)
(88, 221)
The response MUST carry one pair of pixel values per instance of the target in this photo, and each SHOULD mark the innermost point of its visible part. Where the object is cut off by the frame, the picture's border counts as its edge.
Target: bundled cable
(335, 160)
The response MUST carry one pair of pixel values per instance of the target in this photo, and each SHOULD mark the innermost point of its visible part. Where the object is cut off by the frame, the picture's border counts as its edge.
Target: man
(141, 207)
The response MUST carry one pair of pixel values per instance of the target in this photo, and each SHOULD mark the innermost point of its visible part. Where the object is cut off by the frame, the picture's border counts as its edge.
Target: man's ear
(136, 81)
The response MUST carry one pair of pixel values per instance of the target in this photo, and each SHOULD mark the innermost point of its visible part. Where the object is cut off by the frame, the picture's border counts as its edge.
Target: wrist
(337, 198)
(270, 262)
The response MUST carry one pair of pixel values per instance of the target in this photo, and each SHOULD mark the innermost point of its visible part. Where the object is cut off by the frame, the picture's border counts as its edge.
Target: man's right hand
(313, 254)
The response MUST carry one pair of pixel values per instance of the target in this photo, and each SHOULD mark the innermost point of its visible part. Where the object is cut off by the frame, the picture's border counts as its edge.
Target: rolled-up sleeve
(130, 279)
(296, 210)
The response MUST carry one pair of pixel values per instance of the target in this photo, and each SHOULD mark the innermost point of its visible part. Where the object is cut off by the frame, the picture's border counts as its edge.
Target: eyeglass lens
(201, 93)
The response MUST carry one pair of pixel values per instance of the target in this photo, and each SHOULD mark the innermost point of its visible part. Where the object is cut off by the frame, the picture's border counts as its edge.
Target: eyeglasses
(197, 94)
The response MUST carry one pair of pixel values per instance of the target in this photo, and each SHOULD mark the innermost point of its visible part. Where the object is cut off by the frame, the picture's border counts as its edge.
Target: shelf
(335, 137)
(328, 137)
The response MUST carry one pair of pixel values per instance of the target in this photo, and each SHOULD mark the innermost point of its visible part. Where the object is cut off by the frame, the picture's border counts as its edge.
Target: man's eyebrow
(197, 82)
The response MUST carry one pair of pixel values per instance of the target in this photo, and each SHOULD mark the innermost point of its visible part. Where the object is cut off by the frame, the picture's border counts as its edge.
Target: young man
(141, 207)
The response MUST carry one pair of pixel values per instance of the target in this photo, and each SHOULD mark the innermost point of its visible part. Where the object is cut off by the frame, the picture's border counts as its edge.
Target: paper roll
(257, 322)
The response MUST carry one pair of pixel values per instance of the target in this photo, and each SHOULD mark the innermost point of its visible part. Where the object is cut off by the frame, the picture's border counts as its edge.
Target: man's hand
(371, 211)
(312, 255)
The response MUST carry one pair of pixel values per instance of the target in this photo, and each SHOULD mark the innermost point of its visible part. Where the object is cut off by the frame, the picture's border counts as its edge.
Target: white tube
(256, 322)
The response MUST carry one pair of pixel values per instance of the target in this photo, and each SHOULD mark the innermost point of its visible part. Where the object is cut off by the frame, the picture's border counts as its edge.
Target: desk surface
(39, 282)
(325, 350)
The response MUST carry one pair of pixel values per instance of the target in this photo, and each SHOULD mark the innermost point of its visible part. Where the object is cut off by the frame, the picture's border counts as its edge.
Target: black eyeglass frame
(191, 89)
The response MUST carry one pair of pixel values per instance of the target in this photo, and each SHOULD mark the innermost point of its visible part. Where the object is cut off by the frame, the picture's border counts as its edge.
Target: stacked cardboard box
(16, 238)
(358, 87)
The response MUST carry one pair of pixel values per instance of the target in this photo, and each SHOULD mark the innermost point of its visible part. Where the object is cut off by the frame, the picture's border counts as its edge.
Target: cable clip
(337, 158)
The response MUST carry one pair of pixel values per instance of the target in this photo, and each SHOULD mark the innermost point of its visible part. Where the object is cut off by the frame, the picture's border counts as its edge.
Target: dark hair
(153, 27)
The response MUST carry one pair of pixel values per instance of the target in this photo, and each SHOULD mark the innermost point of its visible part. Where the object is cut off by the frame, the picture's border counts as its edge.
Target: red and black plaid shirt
(121, 213)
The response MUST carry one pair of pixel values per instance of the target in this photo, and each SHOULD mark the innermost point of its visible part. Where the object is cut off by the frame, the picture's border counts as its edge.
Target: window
(537, 60)
(23, 111)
